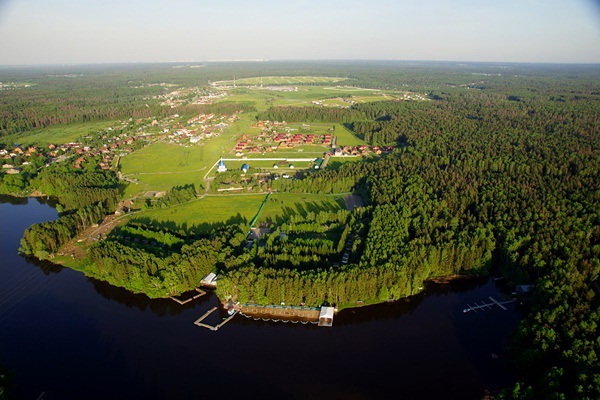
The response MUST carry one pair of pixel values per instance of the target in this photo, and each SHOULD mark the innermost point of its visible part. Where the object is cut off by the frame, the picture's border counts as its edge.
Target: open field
(285, 204)
(202, 214)
(256, 164)
(345, 137)
(57, 134)
(163, 182)
(164, 157)
(263, 98)
(279, 80)
(160, 166)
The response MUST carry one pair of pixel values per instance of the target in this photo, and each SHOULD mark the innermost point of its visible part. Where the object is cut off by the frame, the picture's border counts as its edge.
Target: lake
(66, 336)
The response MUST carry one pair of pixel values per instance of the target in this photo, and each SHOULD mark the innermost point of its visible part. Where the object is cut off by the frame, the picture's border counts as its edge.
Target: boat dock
(199, 322)
(279, 313)
(182, 302)
(483, 306)
(323, 316)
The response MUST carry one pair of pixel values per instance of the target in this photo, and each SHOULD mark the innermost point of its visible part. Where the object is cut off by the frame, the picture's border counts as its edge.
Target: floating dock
(483, 306)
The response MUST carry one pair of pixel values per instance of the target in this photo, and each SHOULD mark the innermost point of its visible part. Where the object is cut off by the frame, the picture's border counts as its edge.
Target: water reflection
(47, 267)
(160, 307)
(17, 201)
(137, 348)
(405, 306)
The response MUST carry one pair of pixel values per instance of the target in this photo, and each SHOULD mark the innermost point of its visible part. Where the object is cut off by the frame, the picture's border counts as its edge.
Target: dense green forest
(86, 197)
(497, 170)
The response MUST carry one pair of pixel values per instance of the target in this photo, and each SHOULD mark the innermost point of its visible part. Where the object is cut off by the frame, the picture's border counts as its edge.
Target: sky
(110, 31)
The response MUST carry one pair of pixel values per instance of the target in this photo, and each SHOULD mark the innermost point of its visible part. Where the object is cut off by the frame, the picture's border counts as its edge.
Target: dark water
(71, 337)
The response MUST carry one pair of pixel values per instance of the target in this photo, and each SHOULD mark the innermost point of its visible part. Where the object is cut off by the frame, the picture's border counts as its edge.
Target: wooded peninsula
(311, 183)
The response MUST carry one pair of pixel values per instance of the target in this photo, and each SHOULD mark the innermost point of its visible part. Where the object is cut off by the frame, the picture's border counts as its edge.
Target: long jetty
(199, 322)
(182, 302)
(483, 306)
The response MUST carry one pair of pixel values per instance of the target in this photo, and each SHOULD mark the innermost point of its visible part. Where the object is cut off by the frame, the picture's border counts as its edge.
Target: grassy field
(205, 213)
(257, 163)
(280, 80)
(305, 95)
(57, 134)
(161, 166)
(282, 205)
(345, 137)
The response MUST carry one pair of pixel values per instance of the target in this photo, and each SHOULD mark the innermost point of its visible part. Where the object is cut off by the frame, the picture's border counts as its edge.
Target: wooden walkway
(182, 302)
(199, 322)
(483, 306)
(280, 313)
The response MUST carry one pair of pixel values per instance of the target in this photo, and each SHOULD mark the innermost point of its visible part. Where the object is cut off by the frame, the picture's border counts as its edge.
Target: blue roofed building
(221, 166)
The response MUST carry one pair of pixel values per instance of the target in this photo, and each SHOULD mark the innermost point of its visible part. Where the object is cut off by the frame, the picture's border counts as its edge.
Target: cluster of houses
(110, 143)
(269, 124)
(361, 150)
(291, 140)
(13, 85)
(271, 139)
(195, 129)
(182, 97)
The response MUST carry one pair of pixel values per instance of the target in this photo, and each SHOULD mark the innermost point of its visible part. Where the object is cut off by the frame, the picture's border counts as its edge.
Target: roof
(327, 312)
(210, 278)
(524, 288)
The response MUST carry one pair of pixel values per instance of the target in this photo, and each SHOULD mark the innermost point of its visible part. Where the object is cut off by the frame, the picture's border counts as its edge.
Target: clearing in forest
(279, 80)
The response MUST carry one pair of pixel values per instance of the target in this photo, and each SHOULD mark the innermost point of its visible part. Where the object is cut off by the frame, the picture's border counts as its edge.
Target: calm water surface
(71, 337)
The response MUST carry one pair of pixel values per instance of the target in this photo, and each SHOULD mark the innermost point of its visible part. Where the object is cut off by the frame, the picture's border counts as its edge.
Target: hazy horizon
(299, 60)
(36, 32)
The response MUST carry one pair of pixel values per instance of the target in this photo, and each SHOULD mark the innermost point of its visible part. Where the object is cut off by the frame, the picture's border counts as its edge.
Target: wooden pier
(199, 322)
(483, 306)
(182, 302)
(279, 313)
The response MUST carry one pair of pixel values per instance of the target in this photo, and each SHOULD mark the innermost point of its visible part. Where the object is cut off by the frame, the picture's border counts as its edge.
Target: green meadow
(280, 80)
(205, 212)
(160, 166)
(263, 98)
(57, 134)
(344, 137)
